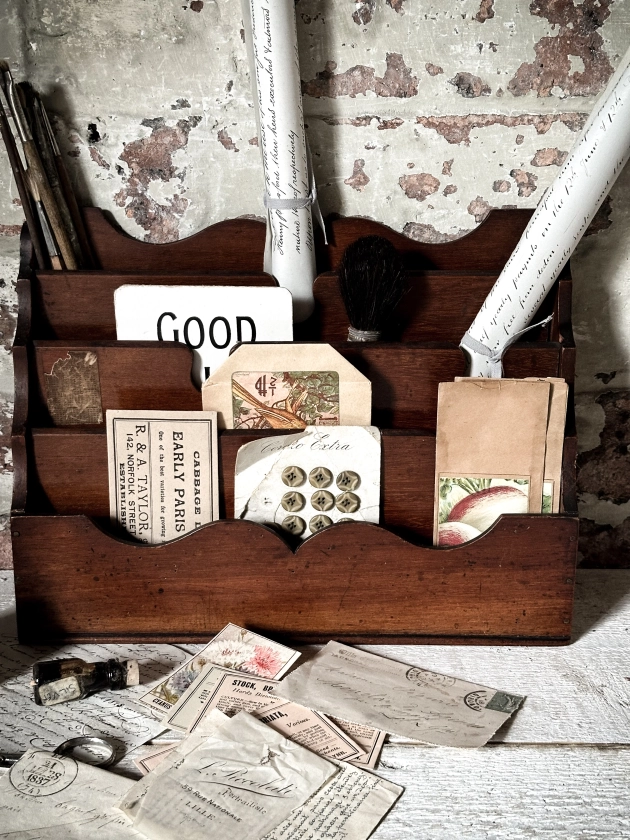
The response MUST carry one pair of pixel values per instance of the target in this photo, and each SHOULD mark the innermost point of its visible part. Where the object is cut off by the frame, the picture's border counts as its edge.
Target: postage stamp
(285, 399)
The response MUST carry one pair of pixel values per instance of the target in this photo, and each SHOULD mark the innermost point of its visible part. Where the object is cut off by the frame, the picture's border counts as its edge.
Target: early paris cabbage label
(163, 479)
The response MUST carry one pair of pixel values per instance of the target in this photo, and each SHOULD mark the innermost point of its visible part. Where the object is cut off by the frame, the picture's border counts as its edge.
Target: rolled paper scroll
(289, 186)
(563, 214)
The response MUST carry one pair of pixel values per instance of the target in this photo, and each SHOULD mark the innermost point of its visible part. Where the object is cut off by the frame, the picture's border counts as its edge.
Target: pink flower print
(265, 662)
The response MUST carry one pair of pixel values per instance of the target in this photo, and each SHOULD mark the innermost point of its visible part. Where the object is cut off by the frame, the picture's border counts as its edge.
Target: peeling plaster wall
(423, 114)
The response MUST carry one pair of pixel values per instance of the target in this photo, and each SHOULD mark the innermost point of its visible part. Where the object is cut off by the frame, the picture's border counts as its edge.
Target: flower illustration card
(287, 386)
(491, 438)
(233, 648)
(261, 399)
(305, 482)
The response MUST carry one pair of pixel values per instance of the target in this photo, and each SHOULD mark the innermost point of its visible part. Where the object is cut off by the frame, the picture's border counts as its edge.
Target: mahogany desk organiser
(77, 580)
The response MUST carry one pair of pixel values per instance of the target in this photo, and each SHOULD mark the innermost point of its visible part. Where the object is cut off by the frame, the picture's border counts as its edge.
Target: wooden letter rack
(76, 580)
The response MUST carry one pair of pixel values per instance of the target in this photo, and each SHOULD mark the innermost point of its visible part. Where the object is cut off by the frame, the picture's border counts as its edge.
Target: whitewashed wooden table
(559, 770)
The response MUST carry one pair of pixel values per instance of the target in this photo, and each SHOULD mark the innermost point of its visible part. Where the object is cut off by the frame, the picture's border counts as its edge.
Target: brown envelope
(287, 386)
(490, 453)
(556, 421)
(555, 443)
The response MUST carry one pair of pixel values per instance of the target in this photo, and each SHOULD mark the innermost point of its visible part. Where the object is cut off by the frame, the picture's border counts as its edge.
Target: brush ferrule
(363, 335)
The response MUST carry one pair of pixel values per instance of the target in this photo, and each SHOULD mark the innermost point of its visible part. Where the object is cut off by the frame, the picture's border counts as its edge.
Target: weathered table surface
(559, 770)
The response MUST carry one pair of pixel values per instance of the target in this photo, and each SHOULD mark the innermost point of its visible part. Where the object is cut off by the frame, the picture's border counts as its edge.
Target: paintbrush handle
(18, 174)
(36, 169)
(68, 191)
(50, 168)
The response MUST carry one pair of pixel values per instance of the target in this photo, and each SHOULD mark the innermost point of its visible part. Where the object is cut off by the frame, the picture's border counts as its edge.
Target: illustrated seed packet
(305, 482)
(234, 648)
(285, 399)
(287, 386)
(469, 506)
(163, 472)
(491, 439)
(208, 319)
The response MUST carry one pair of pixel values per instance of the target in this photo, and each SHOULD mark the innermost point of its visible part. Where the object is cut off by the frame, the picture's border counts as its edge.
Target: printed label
(59, 691)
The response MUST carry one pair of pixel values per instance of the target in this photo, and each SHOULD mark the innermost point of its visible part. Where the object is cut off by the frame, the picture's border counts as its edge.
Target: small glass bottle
(61, 680)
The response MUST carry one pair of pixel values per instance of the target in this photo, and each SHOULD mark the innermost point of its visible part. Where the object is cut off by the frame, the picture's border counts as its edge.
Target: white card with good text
(208, 319)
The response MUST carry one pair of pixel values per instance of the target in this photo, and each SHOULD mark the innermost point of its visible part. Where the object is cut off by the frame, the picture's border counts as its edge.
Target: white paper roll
(290, 247)
(563, 214)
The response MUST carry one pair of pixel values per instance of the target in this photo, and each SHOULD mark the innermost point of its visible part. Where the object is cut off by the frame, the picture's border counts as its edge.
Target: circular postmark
(422, 677)
(42, 774)
(477, 700)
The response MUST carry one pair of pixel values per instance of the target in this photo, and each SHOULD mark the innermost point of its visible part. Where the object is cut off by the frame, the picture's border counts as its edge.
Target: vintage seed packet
(233, 648)
(208, 319)
(163, 472)
(397, 698)
(287, 386)
(370, 740)
(494, 430)
(311, 729)
(299, 398)
(304, 482)
(218, 688)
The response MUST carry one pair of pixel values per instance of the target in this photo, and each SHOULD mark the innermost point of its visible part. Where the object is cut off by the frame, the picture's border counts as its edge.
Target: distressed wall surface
(422, 114)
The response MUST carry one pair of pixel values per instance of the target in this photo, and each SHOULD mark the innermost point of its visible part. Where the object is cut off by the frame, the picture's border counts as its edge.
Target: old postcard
(218, 688)
(233, 648)
(370, 740)
(287, 386)
(399, 699)
(208, 319)
(311, 729)
(237, 781)
(46, 797)
(163, 472)
(304, 482)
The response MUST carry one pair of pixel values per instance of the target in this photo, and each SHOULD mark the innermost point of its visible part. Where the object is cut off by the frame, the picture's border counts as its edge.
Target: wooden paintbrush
(372, 282)
(37, 176)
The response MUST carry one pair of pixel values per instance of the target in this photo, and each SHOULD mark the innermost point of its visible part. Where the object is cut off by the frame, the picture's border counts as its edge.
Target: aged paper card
(217, 688)
(490, 454)
(411, 702)
(233, 648)
(236, 783)
(311, 729)
(163, 472)
(348, 807)
(45, 797)
(287, 386)
(370, 740)
(304, 482)
(208, 319)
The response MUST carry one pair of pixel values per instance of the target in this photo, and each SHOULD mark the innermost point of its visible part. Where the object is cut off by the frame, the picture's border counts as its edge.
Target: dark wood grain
(486, 248)
(233, 245)
(80, 304)
(439, 306)
(157, 375)
(332, 587)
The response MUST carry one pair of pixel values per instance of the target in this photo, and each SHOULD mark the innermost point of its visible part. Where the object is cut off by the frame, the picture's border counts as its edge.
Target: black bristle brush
(372, 282)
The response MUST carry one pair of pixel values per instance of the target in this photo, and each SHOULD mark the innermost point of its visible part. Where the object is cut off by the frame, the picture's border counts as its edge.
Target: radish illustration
(481, 509)
(456, 533)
